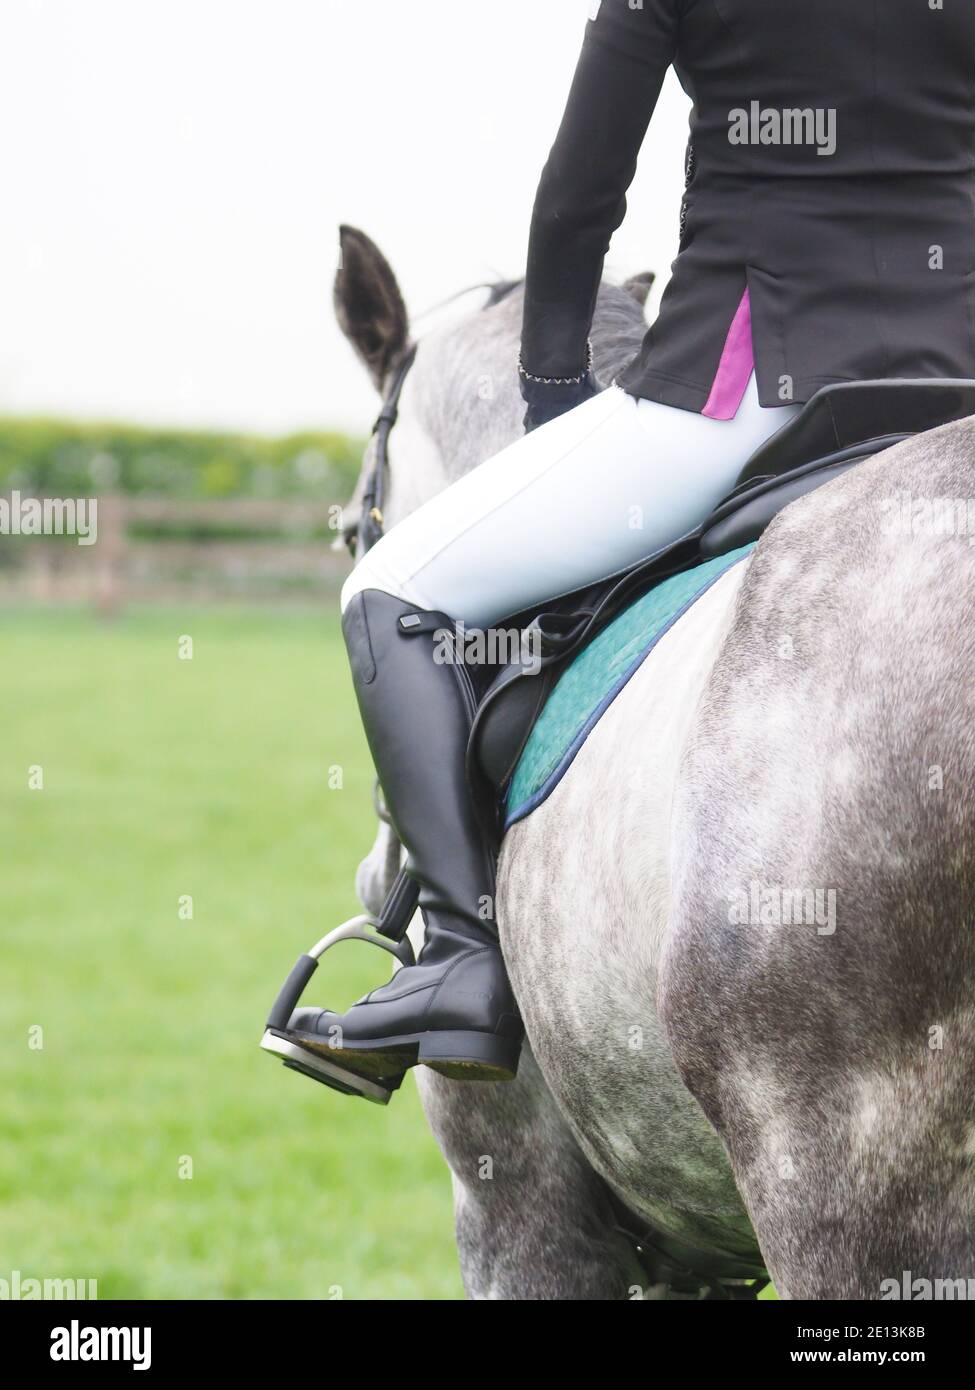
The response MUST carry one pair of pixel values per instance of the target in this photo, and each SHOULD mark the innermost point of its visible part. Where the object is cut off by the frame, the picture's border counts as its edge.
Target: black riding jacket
(858, 262)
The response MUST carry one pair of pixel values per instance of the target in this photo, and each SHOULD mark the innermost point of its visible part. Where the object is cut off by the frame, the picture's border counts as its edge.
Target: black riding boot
(453, 1009)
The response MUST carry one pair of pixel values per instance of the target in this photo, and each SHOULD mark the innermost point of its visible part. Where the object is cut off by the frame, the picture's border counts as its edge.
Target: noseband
(371, 519)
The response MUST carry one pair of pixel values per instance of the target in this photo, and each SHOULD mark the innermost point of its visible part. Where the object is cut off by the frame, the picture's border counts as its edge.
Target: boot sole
(297, 1057)
(461, 1056)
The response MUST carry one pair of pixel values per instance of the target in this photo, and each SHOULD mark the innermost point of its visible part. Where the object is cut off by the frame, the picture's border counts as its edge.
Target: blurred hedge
(68, 459)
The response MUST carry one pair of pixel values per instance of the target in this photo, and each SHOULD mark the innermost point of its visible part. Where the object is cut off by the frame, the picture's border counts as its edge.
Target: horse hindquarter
(819, 977)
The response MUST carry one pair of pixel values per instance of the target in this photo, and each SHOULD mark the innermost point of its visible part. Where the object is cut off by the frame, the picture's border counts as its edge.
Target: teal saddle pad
(587, 688)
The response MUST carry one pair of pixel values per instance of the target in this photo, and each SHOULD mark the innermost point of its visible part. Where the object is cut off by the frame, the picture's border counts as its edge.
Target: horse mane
(468, 425)
(618, 325)
(499, 290)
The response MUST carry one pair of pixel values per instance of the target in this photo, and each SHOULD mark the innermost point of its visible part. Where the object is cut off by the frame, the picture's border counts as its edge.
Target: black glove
(546, 400)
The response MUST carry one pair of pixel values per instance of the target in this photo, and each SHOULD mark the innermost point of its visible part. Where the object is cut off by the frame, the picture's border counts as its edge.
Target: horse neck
(461, 404)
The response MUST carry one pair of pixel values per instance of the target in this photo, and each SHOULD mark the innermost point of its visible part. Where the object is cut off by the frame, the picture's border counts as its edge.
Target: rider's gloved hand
(552, 401)
(549, 397)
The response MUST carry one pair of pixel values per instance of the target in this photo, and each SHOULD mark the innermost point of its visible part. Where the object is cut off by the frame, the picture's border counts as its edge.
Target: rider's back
(831, 174)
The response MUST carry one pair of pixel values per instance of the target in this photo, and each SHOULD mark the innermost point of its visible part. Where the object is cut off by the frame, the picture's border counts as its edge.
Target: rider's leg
(454, 1009)
(574, 501)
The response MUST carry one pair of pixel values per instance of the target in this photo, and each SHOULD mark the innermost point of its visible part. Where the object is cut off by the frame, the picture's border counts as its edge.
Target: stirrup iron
(387, 932)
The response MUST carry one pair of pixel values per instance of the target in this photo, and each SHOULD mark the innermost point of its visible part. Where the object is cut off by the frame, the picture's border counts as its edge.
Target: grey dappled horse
(805, 733)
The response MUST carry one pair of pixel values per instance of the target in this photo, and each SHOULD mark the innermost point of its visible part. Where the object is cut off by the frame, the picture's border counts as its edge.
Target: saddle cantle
(840, 426)
(856, 413)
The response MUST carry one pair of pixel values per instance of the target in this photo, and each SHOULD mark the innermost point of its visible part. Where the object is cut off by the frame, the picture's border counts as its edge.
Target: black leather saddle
(839, 427)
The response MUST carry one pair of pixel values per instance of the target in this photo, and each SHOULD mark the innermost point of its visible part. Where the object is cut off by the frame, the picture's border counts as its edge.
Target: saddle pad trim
(717, 569)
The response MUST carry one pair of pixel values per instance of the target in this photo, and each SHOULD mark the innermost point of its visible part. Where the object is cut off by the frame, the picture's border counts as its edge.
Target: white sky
(174, 172)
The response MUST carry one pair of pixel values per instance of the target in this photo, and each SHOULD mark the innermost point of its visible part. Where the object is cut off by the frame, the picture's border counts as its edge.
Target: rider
(827, 236)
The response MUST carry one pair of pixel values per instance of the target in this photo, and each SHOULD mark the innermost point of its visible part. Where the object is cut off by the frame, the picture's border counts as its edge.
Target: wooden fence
(150, 549)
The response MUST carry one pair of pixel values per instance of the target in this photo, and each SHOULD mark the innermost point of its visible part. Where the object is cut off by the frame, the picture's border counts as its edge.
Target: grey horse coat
(740, 928)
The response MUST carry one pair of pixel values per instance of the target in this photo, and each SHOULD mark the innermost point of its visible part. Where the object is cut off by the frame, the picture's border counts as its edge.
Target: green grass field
(207, 777)
(162, 778)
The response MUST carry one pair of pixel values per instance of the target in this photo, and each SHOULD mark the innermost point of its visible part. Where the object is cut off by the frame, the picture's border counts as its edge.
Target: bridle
(404, 894)
(371, 518)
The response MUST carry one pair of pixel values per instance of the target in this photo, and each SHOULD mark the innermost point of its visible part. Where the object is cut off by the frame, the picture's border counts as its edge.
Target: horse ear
(639, 286)
(368, 304)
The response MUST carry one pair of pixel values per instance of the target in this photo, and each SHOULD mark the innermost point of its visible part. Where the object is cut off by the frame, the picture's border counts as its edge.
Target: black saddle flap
(505, 717)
